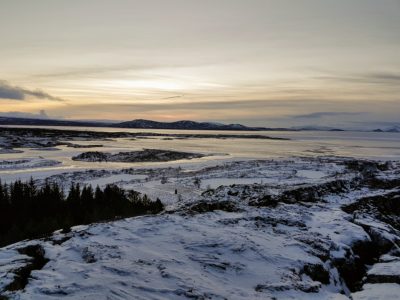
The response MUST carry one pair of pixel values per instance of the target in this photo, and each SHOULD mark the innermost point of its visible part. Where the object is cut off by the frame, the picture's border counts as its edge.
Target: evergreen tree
(27, 211)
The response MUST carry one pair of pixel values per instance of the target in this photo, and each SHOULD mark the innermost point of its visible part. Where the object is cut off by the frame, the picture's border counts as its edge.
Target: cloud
(387, 78)
(321, 114)
(124, 68)
(173, 97)
(17, 114)
(236, 108)
(8, 91)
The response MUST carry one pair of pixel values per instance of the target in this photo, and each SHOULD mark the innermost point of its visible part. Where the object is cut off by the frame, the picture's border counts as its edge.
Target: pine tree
(27, 211)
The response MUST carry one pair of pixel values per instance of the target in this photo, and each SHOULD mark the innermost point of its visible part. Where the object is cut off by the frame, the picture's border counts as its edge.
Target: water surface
(371, 145)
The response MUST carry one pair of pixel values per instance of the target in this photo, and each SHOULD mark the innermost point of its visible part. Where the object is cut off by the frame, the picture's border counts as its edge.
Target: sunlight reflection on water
(372, 145)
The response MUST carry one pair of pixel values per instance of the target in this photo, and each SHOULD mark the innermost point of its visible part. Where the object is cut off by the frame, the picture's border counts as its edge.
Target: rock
(383, 207)
(151, 155)
(316, 272)
(313, 193)
(386, 272)
(380, 291)
(88, 256)
(265, 201)
(204, 207)
(22, 274)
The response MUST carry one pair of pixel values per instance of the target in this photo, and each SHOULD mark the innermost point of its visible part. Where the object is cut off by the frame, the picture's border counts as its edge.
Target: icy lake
(253, 218)
(371, 145)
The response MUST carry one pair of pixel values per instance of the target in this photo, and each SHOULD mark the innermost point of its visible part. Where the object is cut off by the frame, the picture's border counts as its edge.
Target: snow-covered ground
(273, 220)
(26, 163)
(218, 238)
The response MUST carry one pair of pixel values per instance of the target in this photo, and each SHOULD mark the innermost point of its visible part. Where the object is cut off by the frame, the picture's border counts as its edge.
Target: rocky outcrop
(22, 274)
(316, 272)
(383, 207)
(383, 239)
(210, 206)
(385, 272)
(304, 193)
(146, 155)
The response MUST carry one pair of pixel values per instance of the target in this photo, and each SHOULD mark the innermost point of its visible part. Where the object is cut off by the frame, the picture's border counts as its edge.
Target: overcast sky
(258, 62)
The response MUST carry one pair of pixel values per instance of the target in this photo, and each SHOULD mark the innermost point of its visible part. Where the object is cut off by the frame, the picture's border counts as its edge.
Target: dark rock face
(92, 156)
(37, 253)
(204, 207)
(314, 193)
(384, 207)
(265, 201)
(307, 193)
(319, 246)
(150, 155)
(377, 183)
(367, 167)
(374, 278)
(369, 174)
(316, 272)
(77, 146)
(353, 269)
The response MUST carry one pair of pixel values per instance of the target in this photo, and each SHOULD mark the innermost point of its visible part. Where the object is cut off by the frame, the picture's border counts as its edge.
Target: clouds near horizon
(11, 92)
(256, 61)
(321, 114)
(17, 114)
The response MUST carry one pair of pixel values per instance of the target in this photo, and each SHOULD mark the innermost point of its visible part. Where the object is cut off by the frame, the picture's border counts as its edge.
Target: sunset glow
(132, 59)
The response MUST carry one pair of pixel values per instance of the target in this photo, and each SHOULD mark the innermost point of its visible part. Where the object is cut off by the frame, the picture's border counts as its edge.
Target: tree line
(29, 211)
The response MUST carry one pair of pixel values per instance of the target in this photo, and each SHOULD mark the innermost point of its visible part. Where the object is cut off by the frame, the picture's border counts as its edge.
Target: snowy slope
(227, 243)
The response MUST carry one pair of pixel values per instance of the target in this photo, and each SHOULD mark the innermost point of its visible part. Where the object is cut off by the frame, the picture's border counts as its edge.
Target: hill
(185, 125)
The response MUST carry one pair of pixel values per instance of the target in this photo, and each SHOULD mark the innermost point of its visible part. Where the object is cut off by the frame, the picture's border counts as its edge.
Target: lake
(371, 145)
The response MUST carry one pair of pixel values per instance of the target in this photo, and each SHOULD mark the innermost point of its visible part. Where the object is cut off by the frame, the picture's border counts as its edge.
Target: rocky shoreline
(37, 137)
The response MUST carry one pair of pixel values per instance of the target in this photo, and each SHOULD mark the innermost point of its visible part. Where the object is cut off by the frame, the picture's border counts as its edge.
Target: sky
(255, 62)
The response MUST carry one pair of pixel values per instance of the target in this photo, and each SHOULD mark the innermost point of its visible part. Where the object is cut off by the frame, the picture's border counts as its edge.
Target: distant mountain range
(186, 125)
(178, 125)
(141, 124)
(389, 129)
(48, 122)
